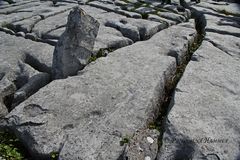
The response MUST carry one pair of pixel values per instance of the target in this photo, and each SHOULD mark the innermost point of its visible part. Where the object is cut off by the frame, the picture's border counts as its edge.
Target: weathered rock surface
(112, 101)
(222, 7)
(43, 21)
(112, 8)
(172, 16)
(15, 56)
(204, 114)
(75, 46)
(205, 111)
(113, 97)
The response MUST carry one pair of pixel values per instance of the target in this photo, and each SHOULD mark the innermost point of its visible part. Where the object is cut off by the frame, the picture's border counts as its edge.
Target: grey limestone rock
(126, 29)
(7, 88)
(145, 10)
(143, 145)
(87, 115)
(75, 46)
(204, 115)
(20, 63)
(20, 34)
(172, 16)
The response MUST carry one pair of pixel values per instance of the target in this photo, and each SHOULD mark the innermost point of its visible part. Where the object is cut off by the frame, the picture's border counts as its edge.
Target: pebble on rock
(147, 158)
(150, 140)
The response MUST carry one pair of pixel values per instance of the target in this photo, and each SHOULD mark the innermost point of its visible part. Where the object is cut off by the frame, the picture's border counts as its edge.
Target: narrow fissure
(160, 122)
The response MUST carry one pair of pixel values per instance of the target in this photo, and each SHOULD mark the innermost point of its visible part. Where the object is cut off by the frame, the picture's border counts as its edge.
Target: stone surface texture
(108, 100)
(75, 45)
(120, 87)
(204, 114)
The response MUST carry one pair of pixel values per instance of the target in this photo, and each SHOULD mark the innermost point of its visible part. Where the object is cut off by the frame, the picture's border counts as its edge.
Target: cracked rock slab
(109, 99)
(205, 111)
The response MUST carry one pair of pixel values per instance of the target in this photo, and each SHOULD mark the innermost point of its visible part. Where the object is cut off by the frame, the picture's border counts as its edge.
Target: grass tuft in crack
(171, 86)
(101, 53)
(10, 147)
(125, 140)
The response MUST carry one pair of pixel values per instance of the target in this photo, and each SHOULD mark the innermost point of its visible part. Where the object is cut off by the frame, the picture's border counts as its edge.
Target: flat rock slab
(229, 8)
(205, 113)
(15, 49)
(86, 116)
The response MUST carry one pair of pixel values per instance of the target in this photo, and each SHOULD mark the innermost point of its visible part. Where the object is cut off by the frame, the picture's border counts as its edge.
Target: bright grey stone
(110, 38)
(217, 25)
(120, 3)
(15, 56)
(232, 8)
(139, 146)
(7, 88)
(113, 8)
(227, 43)
(75, 46)
(156, 18)
(26, 25)
(126, 29)
(172, 16)
(204, 113)
(136, 29)
(113, 97)
(6, 30)
(50, 24)
(18, 7)
(146, 28)
(145, 10)
(34, 83)
(20, 34)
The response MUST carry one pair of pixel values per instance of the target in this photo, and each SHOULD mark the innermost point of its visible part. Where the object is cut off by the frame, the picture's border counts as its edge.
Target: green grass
(100, 53)
(54, 155)
(170, 87)
(10, 147)
(125, 140)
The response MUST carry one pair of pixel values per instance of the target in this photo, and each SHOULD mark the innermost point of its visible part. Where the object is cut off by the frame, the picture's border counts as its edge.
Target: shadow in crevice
(178, 146)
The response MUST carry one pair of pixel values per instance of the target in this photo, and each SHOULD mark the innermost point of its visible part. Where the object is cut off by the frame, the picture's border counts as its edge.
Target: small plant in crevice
(6, 25)
(171, 86)
(145, 16)
(10, 147)
(125, 140)
(101, 53)
(54, 155)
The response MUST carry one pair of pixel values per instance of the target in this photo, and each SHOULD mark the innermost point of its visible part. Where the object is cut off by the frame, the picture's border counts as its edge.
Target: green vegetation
(10, 147)
(125, 140)
(6, 25)
(54, 155)
(171, 86)
(101, 53)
